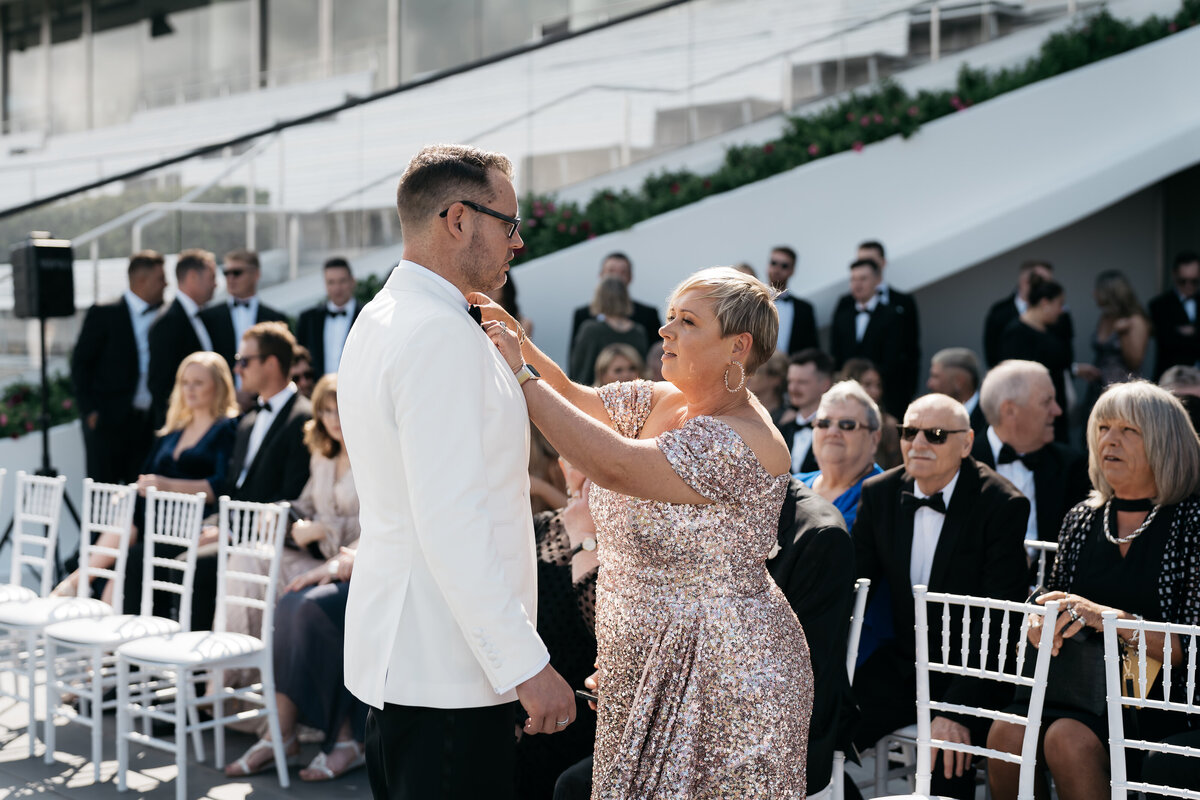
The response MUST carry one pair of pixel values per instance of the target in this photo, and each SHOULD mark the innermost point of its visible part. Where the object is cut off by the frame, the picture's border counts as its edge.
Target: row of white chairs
(82, 649)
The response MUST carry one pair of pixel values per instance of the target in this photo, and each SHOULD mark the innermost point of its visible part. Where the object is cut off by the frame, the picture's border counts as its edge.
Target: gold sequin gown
(705, 683)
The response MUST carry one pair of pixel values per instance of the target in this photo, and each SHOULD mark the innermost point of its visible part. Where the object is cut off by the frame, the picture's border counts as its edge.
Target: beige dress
(705, 682)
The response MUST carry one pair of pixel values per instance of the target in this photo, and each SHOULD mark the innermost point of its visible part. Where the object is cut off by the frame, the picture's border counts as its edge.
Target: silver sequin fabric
(705, 683)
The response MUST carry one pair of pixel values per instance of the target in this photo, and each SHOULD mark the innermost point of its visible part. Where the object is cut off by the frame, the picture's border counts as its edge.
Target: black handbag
(1076, 681)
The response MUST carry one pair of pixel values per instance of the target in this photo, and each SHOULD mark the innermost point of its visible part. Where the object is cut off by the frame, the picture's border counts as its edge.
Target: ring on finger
(503, 327)
(1074, 615)
(562, 723)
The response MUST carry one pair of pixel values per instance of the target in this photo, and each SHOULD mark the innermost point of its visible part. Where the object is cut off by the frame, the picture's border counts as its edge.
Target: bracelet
(520, 334)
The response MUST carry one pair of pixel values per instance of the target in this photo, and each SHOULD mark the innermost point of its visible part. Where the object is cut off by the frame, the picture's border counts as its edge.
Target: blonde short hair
(316, 435)
(743, 305)
(1172, 448)
(224, 402)
(612, 353)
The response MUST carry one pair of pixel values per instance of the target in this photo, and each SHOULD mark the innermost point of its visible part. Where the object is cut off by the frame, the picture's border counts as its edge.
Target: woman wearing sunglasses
(845, 436)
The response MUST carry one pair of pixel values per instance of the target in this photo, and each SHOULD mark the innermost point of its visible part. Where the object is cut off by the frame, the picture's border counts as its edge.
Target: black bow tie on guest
(802, 425)
(241, 303)
(475, 314)
(261, 406)
(1009, 455)
(153, 308)
(934, 501)
(329, 312)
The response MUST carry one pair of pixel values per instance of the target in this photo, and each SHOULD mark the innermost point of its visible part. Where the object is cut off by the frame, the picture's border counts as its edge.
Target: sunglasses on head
(932, 435)
(842, 424)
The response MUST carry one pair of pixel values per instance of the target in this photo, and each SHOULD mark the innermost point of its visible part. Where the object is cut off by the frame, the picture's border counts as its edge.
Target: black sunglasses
(932, 435)
(234, 273)
(777, 263)
(307, 375)
(843, 424)
(242, 361)
(513, 222)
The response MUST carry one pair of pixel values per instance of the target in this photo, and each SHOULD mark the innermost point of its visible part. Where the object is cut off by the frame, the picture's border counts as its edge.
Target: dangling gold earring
(741, 383)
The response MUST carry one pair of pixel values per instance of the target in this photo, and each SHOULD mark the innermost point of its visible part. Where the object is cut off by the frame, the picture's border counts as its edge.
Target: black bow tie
(153, 308)
(934, 501)
(862, 309)
(329, 312)
(802, 425)
(241, 303)
(261, 406)
(475, 314)
(1009, 455)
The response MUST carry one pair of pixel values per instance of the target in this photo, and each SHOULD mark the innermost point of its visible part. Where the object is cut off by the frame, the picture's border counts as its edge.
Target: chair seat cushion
(196, 647)
(110, 631)
(11, 592)
(43, 611)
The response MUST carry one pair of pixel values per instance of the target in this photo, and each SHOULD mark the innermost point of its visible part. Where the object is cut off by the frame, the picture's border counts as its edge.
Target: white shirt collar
(252, 300)
(871, 304)
(446, 286)
(348, 308)
(947, 490)
(189, 305)
(1022, 305)
(136, 304)
(280, 398)
(971, 403)
(995, 443)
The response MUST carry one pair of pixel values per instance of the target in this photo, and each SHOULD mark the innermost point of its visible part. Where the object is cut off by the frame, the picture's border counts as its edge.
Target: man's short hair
(815, 356)
(617, 254)
(337, 262)
(1042, 289)
(866, 262)
(1006, 382)
(442, 174)
(143, 262)
(1035, 263)
(789, 252)
(194, 260)
(871, 244)
(959, 358)
(247, 257)
(300, 353)
(274, 339)
(1185, 258)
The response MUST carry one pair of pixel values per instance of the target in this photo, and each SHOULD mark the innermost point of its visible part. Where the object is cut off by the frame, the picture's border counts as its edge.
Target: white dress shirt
(336, 331)
(1189, 306)
(786, 308)
(927, 529)
(193, 312)
(243, 316)
(971, 403)
(863, 318)
(1019, 476)
(262, 423)
(884, 292)
(802, 441)
(142, 317)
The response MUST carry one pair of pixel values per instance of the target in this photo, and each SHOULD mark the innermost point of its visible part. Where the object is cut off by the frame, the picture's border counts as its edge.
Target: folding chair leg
(185, 692)
(97, 712)
(217, 687)
(51, 695)
(268, 690)
(124, 722)
(31, 666)
(881, 767)
(182, 696)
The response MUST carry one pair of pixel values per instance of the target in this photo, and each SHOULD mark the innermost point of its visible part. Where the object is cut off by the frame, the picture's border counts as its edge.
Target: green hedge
(853, 123)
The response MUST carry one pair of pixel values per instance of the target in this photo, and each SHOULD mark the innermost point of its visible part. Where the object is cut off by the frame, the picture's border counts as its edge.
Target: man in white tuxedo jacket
(440, 635)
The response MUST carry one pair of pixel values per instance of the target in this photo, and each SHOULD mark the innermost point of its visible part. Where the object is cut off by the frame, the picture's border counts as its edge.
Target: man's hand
(92, 419)
(548, 700)
(950, 731)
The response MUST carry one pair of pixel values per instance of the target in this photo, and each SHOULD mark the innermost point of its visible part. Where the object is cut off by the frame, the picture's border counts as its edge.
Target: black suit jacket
(1059, 482)
(788, 430)
(979, 423)
(1003, 312)
(104, 364)
(644, 315)
(905, 306)
(815, 569)
(804, 325)
(280, 467)
(310, 332)
(219, 322)
(980, 552)
(884, 343)
(1168, 316)
(172, 339)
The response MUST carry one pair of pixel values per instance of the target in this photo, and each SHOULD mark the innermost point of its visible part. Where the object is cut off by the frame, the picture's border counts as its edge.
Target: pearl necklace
(1119, 540)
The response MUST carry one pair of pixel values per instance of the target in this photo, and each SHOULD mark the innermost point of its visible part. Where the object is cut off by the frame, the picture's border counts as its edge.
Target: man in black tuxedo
(814, 566)
(324, 327)
(955, 371)
(797, 323)
(866, 327)
(1018, 400)
(1173, 315)
(228, 322)
(618, 265)
(950, 523)
(1005, 311)
(110, 367)
(905, 307)
(269, 461)
(179, 331)
(809, 376)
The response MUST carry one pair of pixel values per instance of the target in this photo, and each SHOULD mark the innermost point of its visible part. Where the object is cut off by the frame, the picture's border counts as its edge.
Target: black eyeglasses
(777, 263)
(513, 222)
(234, 273)
(843, 424)
(242, 361)
(932, 435)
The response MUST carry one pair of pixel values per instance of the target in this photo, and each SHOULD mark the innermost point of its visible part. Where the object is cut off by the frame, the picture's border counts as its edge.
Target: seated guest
(302, 372)
(654, 358)
(767, 385)
(955, 371)
(618, 363)
(1018, 399)
(944, 521)
(1131, 547)
(190, 455)
(611, 309)
(809, 375)
(310, 625)
(887, 454)
(845, 437)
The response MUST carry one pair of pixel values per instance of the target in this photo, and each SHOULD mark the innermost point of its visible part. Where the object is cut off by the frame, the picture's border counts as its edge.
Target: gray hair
(852, 390)
(1178, 377)
(1172, 448)
(1005, 382)
(959, 358)
(941, 401)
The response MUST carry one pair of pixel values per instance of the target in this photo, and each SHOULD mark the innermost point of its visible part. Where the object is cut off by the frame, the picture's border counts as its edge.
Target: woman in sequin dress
(704, 674)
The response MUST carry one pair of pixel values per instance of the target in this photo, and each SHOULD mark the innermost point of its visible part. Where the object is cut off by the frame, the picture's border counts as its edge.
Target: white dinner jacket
(443, 599)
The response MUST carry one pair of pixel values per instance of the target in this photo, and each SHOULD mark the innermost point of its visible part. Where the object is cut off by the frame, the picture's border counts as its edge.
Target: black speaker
(43, 277)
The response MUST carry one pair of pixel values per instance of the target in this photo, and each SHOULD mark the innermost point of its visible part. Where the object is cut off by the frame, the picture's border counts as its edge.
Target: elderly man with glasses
(945, 521)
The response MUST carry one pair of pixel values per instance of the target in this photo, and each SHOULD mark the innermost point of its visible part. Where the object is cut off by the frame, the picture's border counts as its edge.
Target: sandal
(321, 766)
(241, 768)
